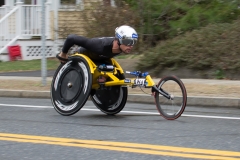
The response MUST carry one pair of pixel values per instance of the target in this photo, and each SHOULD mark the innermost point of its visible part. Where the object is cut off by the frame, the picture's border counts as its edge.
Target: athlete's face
(126, 49)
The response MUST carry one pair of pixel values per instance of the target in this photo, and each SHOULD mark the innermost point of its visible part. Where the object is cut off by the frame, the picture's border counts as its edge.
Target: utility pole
(43, 38)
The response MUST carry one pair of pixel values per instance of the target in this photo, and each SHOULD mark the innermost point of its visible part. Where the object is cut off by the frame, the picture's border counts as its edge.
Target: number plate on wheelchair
(140, 82)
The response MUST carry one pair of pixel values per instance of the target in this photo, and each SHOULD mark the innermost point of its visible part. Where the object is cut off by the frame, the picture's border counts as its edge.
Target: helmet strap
(118, 42)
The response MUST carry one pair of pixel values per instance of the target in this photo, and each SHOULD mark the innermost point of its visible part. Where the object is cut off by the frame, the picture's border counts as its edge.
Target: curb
(137, 98)
(24, 94)
(192, 101)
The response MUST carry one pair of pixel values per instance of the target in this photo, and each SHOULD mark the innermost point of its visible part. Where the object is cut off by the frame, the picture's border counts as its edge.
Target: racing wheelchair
(105, 83)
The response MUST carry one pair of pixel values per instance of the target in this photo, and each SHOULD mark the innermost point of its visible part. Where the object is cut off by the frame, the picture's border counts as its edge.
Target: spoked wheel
(71, 86)
(110, 100)
(171, 108)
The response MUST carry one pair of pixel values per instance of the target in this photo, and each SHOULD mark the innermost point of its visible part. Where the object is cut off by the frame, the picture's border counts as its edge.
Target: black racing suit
(95, 48)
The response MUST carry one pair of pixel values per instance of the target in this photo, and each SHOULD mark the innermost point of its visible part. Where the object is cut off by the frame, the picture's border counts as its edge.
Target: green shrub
(164, 19)
(157, 20)
(202, 14)
(219, 74)
(214, 47)
(101, 20)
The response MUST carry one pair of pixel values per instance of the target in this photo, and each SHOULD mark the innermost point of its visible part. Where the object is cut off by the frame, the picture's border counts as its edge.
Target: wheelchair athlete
(72, 83)
(102, 48)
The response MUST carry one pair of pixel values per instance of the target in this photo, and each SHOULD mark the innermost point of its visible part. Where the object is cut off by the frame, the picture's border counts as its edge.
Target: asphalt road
(201, 133)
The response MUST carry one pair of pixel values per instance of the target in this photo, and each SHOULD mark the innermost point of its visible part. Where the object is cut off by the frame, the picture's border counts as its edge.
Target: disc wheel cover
(70, 85)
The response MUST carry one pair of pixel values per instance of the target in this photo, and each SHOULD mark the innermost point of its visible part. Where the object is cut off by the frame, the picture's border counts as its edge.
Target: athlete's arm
(75, 40)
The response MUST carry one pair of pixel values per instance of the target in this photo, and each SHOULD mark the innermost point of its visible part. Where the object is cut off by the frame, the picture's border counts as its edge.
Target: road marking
(133, 112)
(25, 106)
(124, 147)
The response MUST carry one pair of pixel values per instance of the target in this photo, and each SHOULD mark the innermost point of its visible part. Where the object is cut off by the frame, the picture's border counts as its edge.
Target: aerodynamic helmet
(126, 35)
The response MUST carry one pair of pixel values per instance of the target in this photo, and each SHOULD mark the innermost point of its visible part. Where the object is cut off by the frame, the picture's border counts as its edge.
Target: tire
(171, 108)
(71, 86)
(110, 100)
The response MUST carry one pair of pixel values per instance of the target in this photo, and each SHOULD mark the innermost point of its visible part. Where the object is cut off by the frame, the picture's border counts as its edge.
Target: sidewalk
(201, 92)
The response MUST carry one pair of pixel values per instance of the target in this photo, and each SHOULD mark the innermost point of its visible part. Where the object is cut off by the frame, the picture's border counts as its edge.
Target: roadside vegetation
(215, 47)
(199, 35)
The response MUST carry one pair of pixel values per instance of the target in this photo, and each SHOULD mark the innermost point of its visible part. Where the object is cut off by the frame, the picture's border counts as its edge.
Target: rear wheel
(71, 86)
(110, 100)
(171, 108)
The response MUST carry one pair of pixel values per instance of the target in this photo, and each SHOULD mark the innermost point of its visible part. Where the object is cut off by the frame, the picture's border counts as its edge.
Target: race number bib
(140, 82)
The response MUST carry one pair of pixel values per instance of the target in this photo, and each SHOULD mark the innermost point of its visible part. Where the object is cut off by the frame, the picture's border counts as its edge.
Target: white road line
(25, 106)
(134, 112)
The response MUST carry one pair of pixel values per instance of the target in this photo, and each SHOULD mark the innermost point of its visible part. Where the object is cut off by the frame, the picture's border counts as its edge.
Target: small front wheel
(171, 108)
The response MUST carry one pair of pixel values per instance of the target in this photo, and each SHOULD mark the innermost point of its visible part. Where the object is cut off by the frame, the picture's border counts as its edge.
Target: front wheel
(171, 108)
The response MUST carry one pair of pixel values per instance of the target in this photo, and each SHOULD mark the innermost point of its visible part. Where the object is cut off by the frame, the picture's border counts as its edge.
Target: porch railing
(3, 11)
(9, 32)
(22, 22)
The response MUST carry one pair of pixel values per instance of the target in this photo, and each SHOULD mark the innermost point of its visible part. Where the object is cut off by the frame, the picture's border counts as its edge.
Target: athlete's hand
(63, 58)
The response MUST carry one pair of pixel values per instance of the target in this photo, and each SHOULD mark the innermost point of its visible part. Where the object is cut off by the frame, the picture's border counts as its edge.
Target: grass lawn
(33, 65)
(28, 65)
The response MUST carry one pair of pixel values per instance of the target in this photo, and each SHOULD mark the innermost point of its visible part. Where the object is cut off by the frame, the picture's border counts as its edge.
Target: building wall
(70, 22)
(51, 19)
(73, 22)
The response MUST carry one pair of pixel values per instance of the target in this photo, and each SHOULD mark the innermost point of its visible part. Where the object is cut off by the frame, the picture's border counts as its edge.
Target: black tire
(110, 100)
(71, 86)
(171, 108)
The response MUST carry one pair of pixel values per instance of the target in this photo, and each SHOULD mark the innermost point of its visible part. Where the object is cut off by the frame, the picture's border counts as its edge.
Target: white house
(21, 24)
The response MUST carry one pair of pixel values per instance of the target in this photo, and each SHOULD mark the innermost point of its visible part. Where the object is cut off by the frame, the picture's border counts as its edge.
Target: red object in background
(14, 52)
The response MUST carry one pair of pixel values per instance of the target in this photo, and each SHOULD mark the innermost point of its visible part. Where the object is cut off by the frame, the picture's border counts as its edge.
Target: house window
(66, 2)
(71, 4)
(28, 2)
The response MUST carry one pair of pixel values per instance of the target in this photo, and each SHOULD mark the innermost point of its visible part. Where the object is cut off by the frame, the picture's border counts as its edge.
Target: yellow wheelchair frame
(114, 80)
